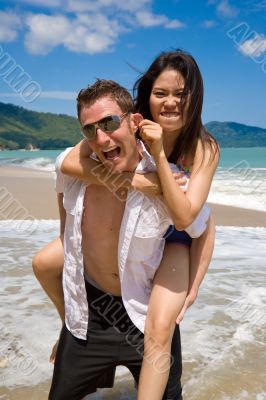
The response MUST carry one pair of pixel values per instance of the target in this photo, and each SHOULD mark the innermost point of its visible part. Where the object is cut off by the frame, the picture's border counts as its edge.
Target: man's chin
(113, 166)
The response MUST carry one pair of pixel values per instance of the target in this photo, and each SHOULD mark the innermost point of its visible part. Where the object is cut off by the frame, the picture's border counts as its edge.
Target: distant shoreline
(54, 131)
(34, 192)
(61, 148)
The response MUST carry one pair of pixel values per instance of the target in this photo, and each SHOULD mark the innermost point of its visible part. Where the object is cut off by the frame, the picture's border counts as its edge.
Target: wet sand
(27, 194)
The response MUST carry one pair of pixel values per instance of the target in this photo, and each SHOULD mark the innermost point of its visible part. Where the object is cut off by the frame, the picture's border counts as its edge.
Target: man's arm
(200, 257)
(78, 164)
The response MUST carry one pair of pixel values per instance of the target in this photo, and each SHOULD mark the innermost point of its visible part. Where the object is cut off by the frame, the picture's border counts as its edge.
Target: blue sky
(59, 46)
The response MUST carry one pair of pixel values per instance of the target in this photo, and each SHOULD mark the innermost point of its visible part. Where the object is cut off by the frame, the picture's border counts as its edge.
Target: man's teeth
(112, 153)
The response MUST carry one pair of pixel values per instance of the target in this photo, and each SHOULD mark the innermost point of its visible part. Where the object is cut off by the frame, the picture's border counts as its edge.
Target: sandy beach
(223, 331)
(32, 192)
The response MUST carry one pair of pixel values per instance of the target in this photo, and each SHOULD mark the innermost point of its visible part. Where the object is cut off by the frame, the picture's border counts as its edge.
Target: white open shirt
(140, 250)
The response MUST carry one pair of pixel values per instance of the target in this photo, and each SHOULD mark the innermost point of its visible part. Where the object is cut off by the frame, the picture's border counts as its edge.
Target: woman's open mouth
(170, 114)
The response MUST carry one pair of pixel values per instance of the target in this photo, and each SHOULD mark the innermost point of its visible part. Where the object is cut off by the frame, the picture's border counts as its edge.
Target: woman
(170, 96)
(170, 99)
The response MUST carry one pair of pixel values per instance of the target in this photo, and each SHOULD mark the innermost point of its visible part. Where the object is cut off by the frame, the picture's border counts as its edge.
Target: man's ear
(136, 119)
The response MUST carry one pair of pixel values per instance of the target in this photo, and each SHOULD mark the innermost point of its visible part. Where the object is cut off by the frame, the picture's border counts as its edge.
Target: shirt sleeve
(61, 180)
(199, 225)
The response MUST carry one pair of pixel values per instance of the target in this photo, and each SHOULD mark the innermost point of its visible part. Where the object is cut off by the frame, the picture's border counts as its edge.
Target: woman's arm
(78, 164)
(184, 207)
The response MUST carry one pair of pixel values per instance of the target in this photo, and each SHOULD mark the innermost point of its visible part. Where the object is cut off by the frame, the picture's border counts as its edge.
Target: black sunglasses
(108, 124)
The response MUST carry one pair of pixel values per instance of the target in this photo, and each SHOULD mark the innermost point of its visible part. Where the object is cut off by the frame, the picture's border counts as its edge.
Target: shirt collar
(147, 162)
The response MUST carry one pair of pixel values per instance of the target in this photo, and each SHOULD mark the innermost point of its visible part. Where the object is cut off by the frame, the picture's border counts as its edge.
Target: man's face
(119, 148)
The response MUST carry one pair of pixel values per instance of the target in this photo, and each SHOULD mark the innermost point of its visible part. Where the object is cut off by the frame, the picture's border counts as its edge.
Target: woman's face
(165, 101)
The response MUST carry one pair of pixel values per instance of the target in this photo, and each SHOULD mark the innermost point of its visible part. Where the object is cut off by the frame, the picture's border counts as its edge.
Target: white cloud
(88, 26)
(101, 24)
(92, 5)
(9, 24)
(90, 34)
(43, 3)
(10, 95)
(60, 95)
(259, 6)
(254, 47)
(148, 19)
(53, 94)
(224, 9)
(208, 24)
(77, 6)
(174, 24)
(45, 32)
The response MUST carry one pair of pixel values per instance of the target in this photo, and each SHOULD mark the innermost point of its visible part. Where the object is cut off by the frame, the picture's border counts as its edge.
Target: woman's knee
(44, 266)
(160, 329)
(49, 260)
(38, 264)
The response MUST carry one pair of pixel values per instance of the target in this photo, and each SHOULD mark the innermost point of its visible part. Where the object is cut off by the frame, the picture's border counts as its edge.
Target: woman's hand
(190, 299)
(152, 134)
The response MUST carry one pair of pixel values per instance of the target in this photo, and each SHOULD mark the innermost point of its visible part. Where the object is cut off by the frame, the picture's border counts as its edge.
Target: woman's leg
(48, 266)
(200, 257)
(167, 298)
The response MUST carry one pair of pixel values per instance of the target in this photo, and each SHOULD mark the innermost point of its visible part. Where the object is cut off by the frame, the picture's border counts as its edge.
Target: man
(102, 243)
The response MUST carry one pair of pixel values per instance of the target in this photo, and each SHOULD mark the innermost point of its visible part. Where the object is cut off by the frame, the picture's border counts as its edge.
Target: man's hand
(190, 299)
(149, 183)
(180, 178)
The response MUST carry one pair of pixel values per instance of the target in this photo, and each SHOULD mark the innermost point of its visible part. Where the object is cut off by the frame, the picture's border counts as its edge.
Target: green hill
(21, 128)
(232, 134)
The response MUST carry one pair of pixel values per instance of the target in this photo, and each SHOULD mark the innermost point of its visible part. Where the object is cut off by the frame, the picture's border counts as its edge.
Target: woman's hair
(193, 129)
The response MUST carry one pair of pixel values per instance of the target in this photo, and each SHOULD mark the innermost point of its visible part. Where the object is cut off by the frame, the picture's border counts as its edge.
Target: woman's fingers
(150, 130)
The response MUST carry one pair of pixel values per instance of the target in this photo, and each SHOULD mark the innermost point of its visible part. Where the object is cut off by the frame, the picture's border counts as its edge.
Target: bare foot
(53, 354)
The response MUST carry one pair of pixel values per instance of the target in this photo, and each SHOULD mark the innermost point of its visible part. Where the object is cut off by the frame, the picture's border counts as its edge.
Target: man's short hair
(105, 88)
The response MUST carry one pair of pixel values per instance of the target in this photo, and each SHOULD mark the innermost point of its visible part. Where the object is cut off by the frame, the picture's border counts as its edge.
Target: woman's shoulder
(207, 150)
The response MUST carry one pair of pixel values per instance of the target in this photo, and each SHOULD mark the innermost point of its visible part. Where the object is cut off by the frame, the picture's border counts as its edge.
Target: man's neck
(139, 156)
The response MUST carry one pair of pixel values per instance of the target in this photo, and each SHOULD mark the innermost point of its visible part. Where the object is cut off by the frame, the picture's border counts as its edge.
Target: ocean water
(223, 334)
(240, 179)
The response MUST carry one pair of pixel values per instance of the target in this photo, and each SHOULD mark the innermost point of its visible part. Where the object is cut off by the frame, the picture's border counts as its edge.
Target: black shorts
(82, 366)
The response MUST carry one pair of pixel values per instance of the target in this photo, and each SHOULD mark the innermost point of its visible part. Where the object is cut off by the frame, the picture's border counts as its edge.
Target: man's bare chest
(102, 213)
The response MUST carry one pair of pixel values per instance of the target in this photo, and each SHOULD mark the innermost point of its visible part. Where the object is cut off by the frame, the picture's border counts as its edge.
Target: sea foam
(223, 331)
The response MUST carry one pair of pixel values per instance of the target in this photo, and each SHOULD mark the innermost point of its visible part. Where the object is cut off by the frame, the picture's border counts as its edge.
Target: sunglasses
(108, 124)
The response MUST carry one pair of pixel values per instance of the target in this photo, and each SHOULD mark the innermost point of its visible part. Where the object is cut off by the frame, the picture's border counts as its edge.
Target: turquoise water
(41, 159)
(254, 156)
(26, 154)
(240, 179)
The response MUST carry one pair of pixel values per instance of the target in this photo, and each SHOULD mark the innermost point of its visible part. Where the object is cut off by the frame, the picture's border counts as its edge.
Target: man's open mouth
(111, 154)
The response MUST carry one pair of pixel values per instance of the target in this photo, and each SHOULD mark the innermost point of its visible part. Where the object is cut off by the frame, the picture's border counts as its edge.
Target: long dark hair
(193, 129)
